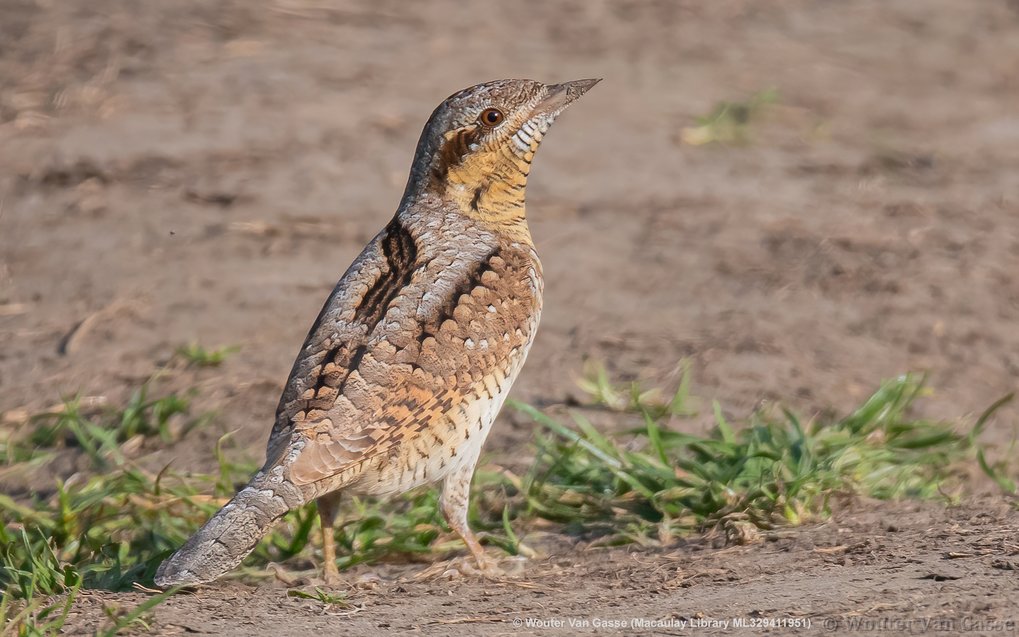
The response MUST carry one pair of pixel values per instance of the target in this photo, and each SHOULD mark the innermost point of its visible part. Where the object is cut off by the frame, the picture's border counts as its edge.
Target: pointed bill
(562, 95)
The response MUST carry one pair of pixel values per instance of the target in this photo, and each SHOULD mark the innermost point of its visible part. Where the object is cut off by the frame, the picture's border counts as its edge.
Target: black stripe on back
(400, 250)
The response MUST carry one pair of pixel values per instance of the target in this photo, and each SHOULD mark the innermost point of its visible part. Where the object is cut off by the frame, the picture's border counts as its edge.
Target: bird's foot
(333, 580)
(464, 566)
(331, 575)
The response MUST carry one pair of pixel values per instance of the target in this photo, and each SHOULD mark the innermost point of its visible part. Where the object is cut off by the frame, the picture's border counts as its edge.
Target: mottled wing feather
(338, 337)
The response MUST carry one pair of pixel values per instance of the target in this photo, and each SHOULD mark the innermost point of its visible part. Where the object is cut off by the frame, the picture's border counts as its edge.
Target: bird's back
(417, 345)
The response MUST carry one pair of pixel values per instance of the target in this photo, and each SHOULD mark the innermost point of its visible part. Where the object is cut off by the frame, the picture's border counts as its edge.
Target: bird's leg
(455, 500)
(328, 505)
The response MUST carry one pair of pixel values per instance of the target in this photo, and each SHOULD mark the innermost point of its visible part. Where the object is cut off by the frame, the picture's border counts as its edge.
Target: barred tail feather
(231, 533)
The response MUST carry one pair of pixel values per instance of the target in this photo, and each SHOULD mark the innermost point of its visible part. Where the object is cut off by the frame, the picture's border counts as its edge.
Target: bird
(404, 370)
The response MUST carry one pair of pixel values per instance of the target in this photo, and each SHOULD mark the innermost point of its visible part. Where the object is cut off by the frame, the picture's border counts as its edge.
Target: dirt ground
(190, 171)
(838, 576)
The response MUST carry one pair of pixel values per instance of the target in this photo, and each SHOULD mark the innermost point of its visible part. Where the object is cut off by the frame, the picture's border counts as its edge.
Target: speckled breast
(477, 351)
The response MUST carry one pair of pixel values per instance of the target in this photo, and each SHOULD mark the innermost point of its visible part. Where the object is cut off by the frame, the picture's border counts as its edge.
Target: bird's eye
(491, 117)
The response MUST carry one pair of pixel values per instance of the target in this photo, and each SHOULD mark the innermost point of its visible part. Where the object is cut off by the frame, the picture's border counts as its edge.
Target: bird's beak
(559, 96)
(562, 95)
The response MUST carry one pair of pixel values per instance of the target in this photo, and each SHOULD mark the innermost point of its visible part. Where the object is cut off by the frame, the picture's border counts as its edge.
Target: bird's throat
(490, 187)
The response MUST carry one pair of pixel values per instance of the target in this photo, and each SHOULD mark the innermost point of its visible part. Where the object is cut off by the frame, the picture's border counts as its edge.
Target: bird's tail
(232, 533)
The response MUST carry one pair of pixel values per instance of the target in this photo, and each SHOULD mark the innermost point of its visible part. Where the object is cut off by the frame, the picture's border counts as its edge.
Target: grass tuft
(658, 481)
(196, 355)
(327, 598)
(105, 436)
(729, 122)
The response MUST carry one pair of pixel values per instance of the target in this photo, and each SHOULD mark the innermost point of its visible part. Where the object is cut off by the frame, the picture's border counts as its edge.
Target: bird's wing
(386, 357)
(338, 338)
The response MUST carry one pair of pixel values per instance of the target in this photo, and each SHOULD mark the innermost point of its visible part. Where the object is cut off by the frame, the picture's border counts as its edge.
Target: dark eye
(491, 117)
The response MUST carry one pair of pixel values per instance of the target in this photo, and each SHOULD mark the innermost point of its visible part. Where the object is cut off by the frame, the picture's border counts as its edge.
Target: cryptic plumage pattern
(411, 358)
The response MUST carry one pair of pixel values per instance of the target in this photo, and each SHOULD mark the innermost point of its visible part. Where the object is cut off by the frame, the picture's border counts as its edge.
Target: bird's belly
(447, 443)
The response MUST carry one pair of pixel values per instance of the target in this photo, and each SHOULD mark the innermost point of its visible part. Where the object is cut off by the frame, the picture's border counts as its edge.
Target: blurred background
(801, 198)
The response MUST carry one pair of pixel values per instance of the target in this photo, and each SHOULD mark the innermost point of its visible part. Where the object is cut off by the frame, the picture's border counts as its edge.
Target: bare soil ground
(191, 171)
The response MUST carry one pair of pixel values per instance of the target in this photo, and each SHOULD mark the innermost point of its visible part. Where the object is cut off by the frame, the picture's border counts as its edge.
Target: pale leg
(328, 505)
(455, 499)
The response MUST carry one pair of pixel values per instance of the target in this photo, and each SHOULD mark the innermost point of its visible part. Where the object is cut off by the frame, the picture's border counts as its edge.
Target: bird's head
(475, 151)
